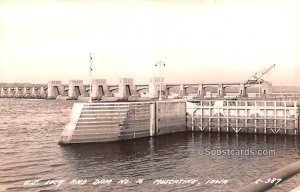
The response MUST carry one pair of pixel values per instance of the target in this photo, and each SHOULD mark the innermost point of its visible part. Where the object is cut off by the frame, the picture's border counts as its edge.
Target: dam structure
(126, 89)
(128, 111)
(23, 90)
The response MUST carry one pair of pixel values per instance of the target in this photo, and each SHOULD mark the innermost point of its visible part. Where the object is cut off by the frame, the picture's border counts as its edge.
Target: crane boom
(266, 71)
(257, 77)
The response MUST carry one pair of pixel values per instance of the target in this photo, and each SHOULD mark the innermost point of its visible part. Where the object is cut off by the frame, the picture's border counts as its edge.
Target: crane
(257, 77)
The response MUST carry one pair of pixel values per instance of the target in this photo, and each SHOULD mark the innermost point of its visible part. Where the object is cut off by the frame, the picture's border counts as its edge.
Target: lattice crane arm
(266, 71)
(257, 77)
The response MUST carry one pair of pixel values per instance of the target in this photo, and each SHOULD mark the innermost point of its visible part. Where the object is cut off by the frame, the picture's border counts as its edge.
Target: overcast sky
(200, 41)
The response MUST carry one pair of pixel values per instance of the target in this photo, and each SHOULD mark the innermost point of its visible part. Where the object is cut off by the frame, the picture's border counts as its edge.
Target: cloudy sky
(200, 41)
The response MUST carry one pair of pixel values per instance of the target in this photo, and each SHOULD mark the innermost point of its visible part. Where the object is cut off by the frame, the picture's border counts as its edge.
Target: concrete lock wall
(171, 116)
(154, 87)
(134, 120)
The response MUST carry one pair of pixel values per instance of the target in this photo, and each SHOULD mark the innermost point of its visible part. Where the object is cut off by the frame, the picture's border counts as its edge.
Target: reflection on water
(29, 151)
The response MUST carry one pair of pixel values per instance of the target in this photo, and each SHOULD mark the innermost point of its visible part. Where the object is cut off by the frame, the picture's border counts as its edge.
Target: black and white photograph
(150, 95)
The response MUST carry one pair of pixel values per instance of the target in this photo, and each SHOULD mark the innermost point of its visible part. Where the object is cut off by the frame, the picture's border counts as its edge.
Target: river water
(29, 151)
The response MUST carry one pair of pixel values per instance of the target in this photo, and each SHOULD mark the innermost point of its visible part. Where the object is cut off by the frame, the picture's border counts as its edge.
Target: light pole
(90, 99)
(160, 64)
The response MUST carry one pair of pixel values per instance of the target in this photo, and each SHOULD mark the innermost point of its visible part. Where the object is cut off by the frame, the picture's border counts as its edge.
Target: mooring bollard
(269, 181)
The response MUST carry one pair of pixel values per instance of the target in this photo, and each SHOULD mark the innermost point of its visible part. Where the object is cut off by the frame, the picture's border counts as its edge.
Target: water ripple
(29, 151)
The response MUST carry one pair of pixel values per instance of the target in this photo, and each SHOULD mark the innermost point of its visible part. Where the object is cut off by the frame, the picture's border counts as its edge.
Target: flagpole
(90, 99)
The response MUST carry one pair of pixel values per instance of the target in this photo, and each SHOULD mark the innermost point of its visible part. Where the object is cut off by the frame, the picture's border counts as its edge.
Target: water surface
(30, 130)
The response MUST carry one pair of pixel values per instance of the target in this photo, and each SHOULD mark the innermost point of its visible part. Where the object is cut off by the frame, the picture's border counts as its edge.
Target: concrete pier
(54, 89)
(34, 94)
(18, 92)
(42, 93)
(26, 92)
(266, 89)
(10, 92)
(76, 89)
(201, 91)
(182, 91)
(127, 89)
(243, 90)
(99, 89)
(154, 87)
(221, 91)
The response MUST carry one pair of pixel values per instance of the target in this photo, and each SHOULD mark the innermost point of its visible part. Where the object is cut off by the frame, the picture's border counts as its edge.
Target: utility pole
(160, 64)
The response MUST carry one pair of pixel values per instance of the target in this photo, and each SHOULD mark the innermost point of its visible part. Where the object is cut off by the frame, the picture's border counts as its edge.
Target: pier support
(221, 91)
(182, 90)
(154, 87)
(33, 92)
(76, 88)
(243, 90)
(266, 89)
(26, 92)
(2, 92)
(152, 119)
(18, 92)
(54, 89)
(10, 92)
(42, 92)
(99, 88)
(201, 91)
(167, 92)
(6, 92)
(127, 89)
